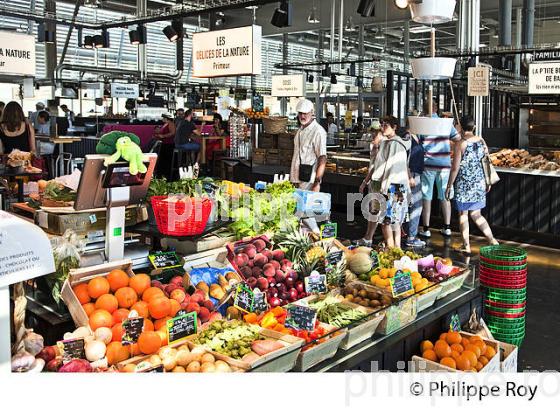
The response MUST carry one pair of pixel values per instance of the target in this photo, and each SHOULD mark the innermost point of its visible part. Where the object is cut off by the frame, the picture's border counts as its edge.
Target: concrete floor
(539, 350)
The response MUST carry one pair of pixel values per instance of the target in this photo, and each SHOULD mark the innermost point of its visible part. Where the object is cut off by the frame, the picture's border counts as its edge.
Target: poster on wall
(478, 82)
(17, 54)
(288, 85)
(223, 53)
(544, 78)
(123, 90)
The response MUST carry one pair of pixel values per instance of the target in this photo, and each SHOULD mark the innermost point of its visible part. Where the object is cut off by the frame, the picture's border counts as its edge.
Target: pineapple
(316, 252)
(295, 242)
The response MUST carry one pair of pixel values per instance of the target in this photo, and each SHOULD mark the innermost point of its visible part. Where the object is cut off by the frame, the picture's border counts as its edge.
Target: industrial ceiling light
(102, 40)
(333, 79)
(313, 17)
(220, 19)
(92, 3)
(44, 35)
(88, 42)
(325, 72)
(310, 78)
(366, 8)
(171, 34)
(401, 4)
(282, 16)
(138, 36)
(350, 27)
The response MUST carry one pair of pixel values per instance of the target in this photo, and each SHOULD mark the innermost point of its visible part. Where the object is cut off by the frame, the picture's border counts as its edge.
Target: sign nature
(17, 54)
(222, 53)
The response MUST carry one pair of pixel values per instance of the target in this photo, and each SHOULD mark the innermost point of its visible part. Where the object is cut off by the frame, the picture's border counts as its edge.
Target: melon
(359, 263)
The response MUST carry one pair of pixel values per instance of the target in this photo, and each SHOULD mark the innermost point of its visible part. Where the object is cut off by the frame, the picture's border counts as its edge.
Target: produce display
(363, 295)
(520, 158)
(335, 312)
(257, 114)
(457, 351)
(18, 158)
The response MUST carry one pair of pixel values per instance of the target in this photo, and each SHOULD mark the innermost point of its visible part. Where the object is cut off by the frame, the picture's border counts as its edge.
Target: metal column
(50, 48)
(518, 32)
(141, 9)
(333, 25)
(505, 23)
(406, 41)
(362, 52)
(528, 22)
(284, 101)
(341, 30)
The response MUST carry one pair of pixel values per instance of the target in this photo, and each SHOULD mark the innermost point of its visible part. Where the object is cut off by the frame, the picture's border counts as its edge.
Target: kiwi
(373, 296)
(349, 298)
(365, 303)
(363, 293)
(357, 300)
(355, 292)
(385, 300)
(374, 303)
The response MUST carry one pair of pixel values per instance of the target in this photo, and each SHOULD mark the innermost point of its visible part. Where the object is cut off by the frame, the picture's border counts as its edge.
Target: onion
(82, 331)
(443, 269)
(95, 350)
(37, 366)
(104, 335)
(426, 262)
(33, 343)
(22, 361)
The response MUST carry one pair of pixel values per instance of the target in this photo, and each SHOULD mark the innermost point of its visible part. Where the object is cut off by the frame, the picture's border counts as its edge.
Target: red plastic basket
(181, 218)
(503, 285)
(522, 274)
(505, 305)
(502, 263)
(504, 315)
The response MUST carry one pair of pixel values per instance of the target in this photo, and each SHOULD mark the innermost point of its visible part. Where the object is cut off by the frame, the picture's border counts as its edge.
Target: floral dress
(470, 186)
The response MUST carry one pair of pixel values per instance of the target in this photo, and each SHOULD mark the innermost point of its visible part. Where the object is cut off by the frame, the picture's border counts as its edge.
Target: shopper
(416, 168)
(467, 177)
(15, 131)
(391, 170)
(43, 126)
(68, 114)
(359, 127)
(179, 116)
(310, 149)
(186, 136)
(332, 128)
(367, 240)
(218, 130)
(33, 116)
(437, 165)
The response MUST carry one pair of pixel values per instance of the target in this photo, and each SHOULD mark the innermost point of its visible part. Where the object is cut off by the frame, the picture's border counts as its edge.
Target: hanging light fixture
(102, 40)
(350, 25)
(401, 4)
(170, 33)
(92, 3)
(138, 36)
(313, 16)
(333, 79)
(88, 42)
(283, 15)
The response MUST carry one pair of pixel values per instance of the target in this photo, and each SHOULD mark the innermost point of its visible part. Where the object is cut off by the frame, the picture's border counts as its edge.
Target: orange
(426, 345)
(449, 362)
(175, 307)
(465, 342)
(81, 292)
(159, 323)
(159, 307)
(453, 337)
(116, 352)
(107, 302)
(97, 287)
(442, 349)
(139, 283)
(100, 318)
(149, 342)
(483, 360)
(117, 279)
(490, 352)
(118, 332)
(458, 347)
(126, 297)
(134, 350)
(475, 338)
(471, 356)
(151, 292)
(481, 345)
(89, 308)
(129, 368)
(148, 325)
(478, 366)
(163, 335)
(141, 308)
(475, 349)
(120, 314)
(430, 355)
(443, 336)
(455, 354)
(463, 363)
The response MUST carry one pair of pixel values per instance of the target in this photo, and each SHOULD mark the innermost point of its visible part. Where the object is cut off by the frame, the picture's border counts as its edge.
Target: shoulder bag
(490, 175)
(305, 171)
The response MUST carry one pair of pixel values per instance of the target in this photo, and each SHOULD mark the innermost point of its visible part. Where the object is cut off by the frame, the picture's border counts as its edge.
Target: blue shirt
(437, 149)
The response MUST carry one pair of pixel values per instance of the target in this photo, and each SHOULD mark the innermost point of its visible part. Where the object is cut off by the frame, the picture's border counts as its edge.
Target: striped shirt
(437, 149)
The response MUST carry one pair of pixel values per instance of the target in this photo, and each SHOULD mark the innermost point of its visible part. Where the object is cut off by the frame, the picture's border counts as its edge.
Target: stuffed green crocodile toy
(123, 145)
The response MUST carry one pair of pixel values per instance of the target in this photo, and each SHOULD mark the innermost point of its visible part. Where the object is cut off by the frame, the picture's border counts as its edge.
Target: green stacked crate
(503, 276)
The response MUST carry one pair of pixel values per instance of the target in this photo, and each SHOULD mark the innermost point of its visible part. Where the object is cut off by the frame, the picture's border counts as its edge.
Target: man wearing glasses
(310, 149)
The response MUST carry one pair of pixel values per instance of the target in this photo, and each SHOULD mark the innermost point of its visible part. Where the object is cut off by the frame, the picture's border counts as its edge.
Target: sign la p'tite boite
(17, 54)
(222, 53)
(544, 78)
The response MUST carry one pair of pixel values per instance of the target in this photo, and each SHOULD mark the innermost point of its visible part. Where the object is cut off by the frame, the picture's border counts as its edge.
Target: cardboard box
(215, 240)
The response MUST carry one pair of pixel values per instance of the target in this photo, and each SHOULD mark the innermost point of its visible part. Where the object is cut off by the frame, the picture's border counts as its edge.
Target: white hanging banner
(222, 53)
(123, 90)
(478, 82)
(17, 54)
(26, 250)
(288, 85)
(544, 78)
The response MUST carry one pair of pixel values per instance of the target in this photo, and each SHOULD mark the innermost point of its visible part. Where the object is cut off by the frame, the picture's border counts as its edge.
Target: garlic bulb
(22, 361)
(33, 343)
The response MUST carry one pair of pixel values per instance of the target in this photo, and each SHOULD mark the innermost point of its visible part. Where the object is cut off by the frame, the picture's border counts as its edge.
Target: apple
(241, 259)
(290, 282)
(279, 276)
(246, 271)
(271, 293)
(268, 254)
(256, 272)
(197, 298)
(178, 295)
(278, 255)
(286, 262)
(269, 270)
(177, 280)
(259, 245)
(293, 294)
(271, 281)
(300, 286)
(260, 260)
(275, 263)
(251, 263)
(274, 301)
(252, 282)
(156, 284)
(281, 287)
(262, 284)
(250, 251)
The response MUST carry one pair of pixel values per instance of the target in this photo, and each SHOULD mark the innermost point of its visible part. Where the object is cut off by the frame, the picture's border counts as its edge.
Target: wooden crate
(259, 156)
(272, 157)
(508, 358)
(217, 258)
(321, 352)
(268, 141)
(279, 361)
(398, 316)
(83, 275)
(215, 240)
(285, 157)
(286, 141)
(421, 365)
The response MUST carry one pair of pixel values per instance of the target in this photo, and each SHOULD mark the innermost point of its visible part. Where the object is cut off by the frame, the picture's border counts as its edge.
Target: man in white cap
(310, 149)
(33, 116)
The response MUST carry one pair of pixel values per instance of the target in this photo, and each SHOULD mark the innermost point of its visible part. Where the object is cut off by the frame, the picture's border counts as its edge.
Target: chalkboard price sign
(316, 283)
(72, 349)
(334, 257)
(401, 284)
(258, 103)
(132, 328)
(329, 230)
(180, 327)
(301, 318)
(374, 260)
(244, 298)
(165, 260)
(260, 303)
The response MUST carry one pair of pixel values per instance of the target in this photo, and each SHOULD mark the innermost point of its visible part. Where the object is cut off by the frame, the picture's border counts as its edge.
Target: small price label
(301, 318)
(401, 284)
(374, 260)
(153, 369)
(165, 260)
(334, 258)
(180, 327)
(455, 324)
(132, 328)
(260, 303)
(329, 230)
(72, 349)
(316, 283)
(244, 298)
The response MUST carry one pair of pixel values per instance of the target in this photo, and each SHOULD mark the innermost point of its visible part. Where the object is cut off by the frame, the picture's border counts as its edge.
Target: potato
(362, 293)
(193, 367)
(169, 363)
(374, 303)
(179, 369)
(184, 347)
(155, 360)
(167, 352)
(208, 358)
(222, 367)
(184, 358)
(208, 368)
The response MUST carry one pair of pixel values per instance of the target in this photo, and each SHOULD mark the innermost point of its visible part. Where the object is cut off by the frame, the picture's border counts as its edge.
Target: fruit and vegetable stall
(278, 298)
